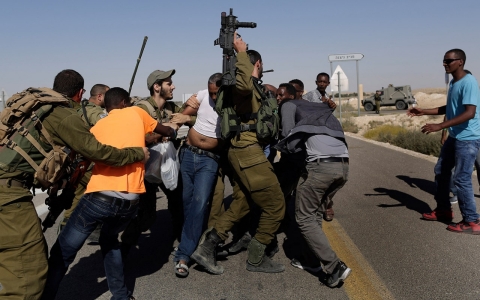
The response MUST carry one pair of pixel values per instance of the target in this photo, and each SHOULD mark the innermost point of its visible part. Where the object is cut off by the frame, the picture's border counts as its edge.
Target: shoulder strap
(259, 89)
(150, 108)
(84, 110)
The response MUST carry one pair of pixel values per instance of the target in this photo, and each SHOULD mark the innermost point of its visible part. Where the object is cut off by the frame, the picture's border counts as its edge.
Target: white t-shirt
(208, 121)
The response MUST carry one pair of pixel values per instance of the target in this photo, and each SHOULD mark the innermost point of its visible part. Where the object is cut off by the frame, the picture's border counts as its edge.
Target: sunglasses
(449, 61)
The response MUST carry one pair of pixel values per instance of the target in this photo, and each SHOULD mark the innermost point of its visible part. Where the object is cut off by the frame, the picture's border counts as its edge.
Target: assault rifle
(229, 25)
(57, 203)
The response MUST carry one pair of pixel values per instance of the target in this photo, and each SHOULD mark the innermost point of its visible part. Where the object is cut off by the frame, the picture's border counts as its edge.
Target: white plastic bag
(170, 166)
(153, 165)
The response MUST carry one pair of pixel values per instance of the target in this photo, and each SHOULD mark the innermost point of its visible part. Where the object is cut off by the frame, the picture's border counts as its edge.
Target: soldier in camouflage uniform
(378, 101)
(253, 181)
(161, 89)
(23, 250)
(91, 111)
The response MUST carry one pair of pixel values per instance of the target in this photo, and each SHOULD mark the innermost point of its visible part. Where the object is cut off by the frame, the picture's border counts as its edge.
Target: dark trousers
(321, 182)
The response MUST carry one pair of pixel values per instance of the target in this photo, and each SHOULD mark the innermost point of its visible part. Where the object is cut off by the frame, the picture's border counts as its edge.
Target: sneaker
(439, 215)
(453, 200)
(297, 264)
(340, 273)
(465, 227)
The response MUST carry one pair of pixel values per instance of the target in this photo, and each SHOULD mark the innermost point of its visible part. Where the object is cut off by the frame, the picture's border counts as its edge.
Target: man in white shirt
(198, 168)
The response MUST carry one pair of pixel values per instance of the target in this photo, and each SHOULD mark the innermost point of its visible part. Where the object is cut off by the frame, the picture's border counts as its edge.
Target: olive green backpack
(25, 145)
(267, 119)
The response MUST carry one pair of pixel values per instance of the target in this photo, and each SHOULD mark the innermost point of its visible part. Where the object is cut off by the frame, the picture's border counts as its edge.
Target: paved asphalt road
(377, 231)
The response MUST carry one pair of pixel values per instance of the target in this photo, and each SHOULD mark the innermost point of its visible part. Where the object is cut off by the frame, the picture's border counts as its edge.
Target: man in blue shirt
(461, 147)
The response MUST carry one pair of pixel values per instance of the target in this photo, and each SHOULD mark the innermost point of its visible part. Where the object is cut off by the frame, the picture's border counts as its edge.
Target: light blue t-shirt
(460, 93)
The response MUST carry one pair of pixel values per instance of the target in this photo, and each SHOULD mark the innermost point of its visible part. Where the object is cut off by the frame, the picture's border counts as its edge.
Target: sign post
(348, 57)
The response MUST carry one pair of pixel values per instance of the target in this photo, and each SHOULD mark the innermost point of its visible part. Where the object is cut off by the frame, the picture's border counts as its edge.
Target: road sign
(344, 57)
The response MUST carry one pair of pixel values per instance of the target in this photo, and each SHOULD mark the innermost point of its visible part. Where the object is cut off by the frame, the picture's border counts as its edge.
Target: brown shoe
(328, 215)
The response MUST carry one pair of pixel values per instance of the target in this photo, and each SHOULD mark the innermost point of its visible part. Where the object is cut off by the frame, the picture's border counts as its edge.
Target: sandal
(179, 266)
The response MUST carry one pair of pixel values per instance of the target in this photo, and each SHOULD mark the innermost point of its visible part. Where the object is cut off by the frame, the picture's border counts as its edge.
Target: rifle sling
(84, 110)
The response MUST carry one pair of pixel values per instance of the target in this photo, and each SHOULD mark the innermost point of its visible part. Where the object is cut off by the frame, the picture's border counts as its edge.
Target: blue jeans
(89, 213)
(461, 155)
(199, 174)
(453, 189)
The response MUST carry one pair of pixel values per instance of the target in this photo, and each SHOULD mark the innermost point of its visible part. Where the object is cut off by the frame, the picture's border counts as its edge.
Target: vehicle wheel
(400, 105)
(368, 106)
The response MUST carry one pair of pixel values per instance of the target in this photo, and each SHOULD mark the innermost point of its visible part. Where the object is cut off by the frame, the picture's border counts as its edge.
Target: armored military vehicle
(398, 96)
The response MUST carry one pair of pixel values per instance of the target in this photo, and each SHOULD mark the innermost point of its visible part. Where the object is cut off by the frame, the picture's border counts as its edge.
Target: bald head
(270, 88)
(97, 94)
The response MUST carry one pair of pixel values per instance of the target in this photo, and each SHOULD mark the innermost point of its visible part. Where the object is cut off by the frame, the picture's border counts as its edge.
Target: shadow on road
(404, 199)
(427, 186)
(82, 284)
(153, 250)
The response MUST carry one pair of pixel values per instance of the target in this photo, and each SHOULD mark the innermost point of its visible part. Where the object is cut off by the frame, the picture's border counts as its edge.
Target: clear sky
(403, 41)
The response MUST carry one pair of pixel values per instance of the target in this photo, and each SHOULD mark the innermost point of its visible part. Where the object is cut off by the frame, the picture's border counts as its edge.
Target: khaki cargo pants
(254, 182)
(23, 251)
(217, 207)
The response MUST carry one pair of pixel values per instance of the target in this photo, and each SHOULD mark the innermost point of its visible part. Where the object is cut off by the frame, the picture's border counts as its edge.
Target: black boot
(272, 248)
(205, 256)
(259, 262)
(241, 244)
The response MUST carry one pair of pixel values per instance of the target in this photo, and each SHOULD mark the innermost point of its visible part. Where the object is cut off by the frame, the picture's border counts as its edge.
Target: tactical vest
(267, 119)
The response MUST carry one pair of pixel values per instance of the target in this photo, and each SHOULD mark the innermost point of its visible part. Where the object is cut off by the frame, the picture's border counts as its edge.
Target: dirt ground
(426, 98)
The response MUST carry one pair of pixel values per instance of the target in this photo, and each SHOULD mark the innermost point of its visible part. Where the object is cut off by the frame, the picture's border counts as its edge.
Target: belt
(15, 183)
(124, 203)
(332, 159)
(202, 152)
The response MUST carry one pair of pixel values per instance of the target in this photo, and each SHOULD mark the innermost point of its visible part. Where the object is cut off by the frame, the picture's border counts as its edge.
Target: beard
(165, 95)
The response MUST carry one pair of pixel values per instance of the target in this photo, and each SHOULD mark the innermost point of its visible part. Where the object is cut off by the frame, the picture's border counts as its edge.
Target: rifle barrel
(138, 62)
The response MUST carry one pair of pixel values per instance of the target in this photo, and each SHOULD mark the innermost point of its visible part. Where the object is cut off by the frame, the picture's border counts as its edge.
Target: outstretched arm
(416, 111)
(468, 114)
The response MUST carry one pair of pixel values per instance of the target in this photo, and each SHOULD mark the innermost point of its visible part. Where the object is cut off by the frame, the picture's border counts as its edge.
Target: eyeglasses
(84, 91)
(450, 60)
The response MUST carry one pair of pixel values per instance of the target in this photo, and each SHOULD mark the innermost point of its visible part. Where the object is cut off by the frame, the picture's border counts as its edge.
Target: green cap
(158, 75)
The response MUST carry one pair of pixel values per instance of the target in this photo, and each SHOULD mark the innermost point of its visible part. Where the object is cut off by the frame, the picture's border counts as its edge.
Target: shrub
(386, 131)
(349, 125)
(412, 140)
(374, 124)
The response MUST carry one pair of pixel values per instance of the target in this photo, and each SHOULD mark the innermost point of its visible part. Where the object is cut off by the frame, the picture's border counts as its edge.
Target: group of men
(113, 196)
(314, 138)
